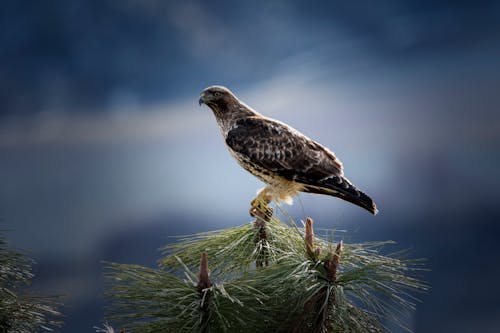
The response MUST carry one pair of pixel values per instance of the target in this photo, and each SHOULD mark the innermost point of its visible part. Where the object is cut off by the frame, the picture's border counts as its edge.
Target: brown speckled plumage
(282, 157)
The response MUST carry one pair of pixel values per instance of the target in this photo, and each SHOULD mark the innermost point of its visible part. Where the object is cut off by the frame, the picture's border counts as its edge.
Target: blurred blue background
(104, 152)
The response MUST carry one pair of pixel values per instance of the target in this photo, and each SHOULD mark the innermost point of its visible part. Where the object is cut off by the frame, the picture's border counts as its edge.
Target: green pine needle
(151, 300)
(295, 293)
(21, 312)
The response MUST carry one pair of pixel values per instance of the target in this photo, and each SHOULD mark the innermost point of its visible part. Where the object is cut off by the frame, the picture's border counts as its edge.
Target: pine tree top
(267, 276)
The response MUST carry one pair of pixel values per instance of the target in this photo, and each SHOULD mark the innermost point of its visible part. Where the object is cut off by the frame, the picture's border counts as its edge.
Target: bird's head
(218, 98)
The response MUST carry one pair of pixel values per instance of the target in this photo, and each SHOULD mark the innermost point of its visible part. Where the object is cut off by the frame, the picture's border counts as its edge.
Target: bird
(287, 161)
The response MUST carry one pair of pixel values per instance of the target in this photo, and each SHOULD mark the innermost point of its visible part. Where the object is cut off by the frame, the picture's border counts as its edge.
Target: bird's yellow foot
(260, 208)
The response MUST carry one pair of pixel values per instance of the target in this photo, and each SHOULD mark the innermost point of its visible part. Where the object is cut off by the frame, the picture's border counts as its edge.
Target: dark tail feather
(342, 188)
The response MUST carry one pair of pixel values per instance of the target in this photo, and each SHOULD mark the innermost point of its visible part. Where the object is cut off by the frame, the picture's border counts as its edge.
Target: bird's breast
(280, 189)
(263, 174)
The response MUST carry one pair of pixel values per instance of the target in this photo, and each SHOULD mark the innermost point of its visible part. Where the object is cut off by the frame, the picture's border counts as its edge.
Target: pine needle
(21, 312)
(311, 284)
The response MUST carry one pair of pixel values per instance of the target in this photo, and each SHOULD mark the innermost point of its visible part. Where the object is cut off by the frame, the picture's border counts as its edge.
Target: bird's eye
(217, 94)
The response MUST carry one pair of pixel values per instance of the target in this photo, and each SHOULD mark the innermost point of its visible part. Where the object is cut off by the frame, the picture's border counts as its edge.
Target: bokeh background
(104, 152)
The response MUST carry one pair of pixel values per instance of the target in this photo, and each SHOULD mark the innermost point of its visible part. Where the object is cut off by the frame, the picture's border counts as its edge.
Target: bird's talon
(260, 209)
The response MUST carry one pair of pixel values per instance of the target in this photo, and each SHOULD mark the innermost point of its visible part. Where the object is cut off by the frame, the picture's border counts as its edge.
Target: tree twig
(203, 286)
(262, 216)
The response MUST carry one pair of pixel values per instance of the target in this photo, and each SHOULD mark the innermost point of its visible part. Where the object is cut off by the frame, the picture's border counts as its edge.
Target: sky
(105, 153)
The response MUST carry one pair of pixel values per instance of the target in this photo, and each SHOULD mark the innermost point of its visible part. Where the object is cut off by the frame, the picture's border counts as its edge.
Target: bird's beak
(202, 99)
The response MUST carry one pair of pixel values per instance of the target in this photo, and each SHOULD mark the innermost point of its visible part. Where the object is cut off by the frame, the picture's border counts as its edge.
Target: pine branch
(309, 285)
(21, 312)
(149, 300)
(262, 217)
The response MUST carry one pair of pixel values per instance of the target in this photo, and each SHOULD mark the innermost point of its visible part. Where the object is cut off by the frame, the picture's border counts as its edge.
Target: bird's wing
(282, 150)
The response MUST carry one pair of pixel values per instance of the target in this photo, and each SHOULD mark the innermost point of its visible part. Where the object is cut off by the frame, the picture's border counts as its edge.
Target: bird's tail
(342, 188)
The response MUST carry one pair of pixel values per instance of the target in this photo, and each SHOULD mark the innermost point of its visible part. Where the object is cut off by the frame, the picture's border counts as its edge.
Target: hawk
(280, 156)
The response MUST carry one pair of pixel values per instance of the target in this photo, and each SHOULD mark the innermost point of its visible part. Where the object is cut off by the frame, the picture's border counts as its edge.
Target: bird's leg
(260, 205)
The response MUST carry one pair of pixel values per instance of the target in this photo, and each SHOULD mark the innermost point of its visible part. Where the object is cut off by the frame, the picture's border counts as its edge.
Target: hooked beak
(202, 99)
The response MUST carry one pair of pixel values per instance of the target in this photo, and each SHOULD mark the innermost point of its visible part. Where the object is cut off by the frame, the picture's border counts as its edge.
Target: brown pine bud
(332, 264)
(309, 238)
(309, 233)
(203, 277)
